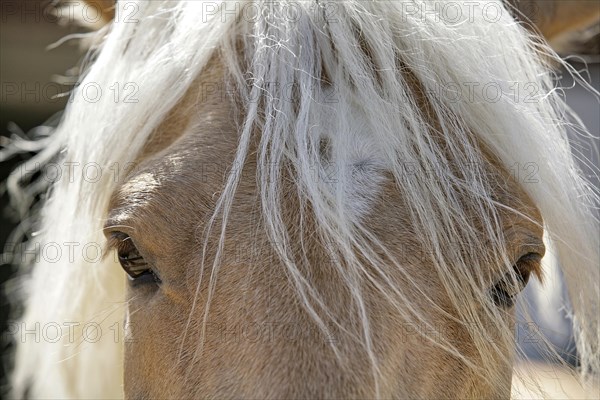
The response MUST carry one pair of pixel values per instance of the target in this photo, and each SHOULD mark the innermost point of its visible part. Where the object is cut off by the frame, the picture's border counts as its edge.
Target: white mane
(297, 42)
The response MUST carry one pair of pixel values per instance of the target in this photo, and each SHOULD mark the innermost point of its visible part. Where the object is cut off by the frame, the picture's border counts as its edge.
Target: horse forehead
(180, 179)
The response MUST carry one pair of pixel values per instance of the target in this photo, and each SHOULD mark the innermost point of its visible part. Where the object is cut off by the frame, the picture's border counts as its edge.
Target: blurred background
(34, 80)
(30, 88)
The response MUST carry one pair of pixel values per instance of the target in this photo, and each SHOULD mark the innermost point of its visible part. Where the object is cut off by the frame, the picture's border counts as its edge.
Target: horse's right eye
(504, 293)
(130, 259)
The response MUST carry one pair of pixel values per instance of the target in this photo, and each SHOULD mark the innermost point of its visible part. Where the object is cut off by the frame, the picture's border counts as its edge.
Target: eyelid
(116, 240)
(116, 224)
(506, 290)
(529, 245)
(532, 263)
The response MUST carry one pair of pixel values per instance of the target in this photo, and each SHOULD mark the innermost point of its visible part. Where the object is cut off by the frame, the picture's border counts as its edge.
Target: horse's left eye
(504, 293)
(130, 259)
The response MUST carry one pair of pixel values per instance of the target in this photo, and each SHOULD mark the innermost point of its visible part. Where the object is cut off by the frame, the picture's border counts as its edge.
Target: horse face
(257, 339)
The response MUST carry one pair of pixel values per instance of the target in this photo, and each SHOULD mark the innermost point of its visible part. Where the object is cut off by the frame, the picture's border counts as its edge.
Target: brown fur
(260, 342)
(554, 18)
(106, 8)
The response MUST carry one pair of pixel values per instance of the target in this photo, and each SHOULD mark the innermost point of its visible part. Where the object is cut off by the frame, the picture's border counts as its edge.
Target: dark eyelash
(136, 267)
(116, 240)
